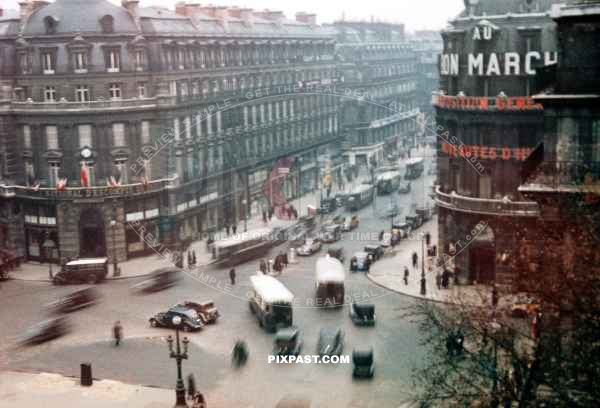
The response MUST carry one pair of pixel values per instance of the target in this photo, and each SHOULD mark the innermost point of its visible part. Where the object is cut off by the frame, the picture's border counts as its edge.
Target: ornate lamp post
(178, 356)
(113, 227)
(423, 281)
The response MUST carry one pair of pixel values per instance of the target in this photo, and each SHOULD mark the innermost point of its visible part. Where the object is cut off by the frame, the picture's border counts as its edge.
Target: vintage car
(190, 321)
(74, 301)
(328, 205)
(84, 270)
(426, 213)
(337, 253)
(310, 246)
(363, 363)
(288, 342)
(160, 279)
(331, 233)
(403, 229)
(415, 221)
(361, 261)
(331, 342)
(362, 314)
(307, 221)
(524, 306)
(386, 241)
(404, 188)
(206, 310)
(375, 250)
(341, 198)
(351, 224)
(44, 331)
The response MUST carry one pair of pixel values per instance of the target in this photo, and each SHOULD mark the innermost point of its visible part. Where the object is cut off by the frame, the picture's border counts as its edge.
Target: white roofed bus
(330, 277)
(271, 302)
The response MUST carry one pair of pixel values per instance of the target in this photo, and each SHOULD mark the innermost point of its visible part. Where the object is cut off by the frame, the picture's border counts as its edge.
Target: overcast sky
(416, 14)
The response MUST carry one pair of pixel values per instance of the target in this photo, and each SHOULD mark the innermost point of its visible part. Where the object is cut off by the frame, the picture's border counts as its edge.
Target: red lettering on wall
(505, 153)
(492, 153)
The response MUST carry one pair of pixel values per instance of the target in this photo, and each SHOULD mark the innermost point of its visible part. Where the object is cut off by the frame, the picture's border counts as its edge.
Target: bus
(388, 182)
(360, 197)
(242, 247)
(414, 168)
(271, 302)
(330, 278)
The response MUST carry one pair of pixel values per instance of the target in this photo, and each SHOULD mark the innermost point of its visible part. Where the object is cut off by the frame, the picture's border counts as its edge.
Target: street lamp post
(113, 227)
(423, 281)
(178, 355)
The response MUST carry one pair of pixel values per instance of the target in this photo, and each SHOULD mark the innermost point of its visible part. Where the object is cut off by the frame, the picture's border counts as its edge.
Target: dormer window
(107, 23)
(50, 23)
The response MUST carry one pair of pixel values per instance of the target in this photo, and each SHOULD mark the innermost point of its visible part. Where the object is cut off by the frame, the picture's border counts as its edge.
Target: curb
(407, 294)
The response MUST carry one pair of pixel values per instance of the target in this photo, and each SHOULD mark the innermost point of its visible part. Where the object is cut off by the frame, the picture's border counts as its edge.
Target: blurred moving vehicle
(363, 363)
(341, 198)
(310, 246)
(288, 342)
(351, 224)
(414, 221)
(328, 205)
(361, 261)
(331, 341)
(375, 250)
(386, 241)
(46, 330)
(362, 314)
(84, 270)
(240, 353)
(74, 301)
(307, 221)
(331, 233)
(426, 213)
(207, 310)
(337, 253)
(159, 280)
(402, 228)
(524, 306)
(190, 321)
(404, 188)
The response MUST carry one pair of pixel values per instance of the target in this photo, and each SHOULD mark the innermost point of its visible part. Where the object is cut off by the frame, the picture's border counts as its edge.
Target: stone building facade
(148, 116)
(488, 125)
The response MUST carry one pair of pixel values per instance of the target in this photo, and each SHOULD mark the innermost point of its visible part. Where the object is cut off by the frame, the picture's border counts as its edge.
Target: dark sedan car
(160, 280)
(190, 321)
(288, 342)
(331, 342)
(74, 301)
(375, 250)
(44, 331)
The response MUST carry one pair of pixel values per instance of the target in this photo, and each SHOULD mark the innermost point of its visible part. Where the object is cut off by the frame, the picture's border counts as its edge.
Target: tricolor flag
(62, 184)
(84, 175)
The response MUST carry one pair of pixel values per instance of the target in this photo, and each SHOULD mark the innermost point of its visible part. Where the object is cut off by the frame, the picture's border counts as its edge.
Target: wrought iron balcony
(67, 106)
(501, 207)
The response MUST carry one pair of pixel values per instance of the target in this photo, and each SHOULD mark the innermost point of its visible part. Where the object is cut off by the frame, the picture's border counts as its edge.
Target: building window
(80, 62)
(24, 63)
(114, 91)
(50, 24)
(141, 90)
(51, 138)
(27, 136)
(118, 130)
(48, 64)
(50, 94)
(82, 93)
(121, 165)
(145, 132)
(107, 24)
(53, 170)
(85, 135)
(140, 60)
(113, 60)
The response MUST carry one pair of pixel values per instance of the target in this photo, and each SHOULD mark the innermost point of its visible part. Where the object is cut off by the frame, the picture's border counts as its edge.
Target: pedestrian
(191, 386)
(118, 333)
(270, 214)
(494, 296)
(435, 250)
(263, 266)
(199, 401)
(406, 273)
(264, 216)
(227, 230)
(232, 276)
(381, 233)
(285, 260)
(445, 278)
(270, 265)
(415, 260)
(193, 257)
(190, 260)
(234, 229)
(438, 280)
(535, 325)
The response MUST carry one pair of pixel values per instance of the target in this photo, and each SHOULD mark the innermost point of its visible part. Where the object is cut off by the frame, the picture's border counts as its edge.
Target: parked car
(403, 228)
(190, 321)
(404, 187)
(311, 245)
(84, 270)
(297, 235)
(331, 233)
(386, 241)
(207, 311)
(161, 279)
(350, 224)
(363, 363)
(337, 253)
(426, 213)
(341, 198)
(415, 221)
(307, 221)
(375, 250)
(362, 314)
(361, 261)
(331, 342)
(288, 341)
(46, 330)
(328, 205)
(74, 301)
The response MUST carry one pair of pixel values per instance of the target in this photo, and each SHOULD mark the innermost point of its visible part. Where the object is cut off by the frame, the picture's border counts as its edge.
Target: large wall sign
(495, 64)
(487, 152)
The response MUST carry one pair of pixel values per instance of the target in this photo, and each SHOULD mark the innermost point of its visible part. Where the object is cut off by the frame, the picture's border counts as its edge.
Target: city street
(144, 359)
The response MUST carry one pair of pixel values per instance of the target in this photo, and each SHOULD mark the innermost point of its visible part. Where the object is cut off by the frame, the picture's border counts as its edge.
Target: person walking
(193, 257)
(118, 333)
(262, 266)
(191, 386)
(406, 273)
(232, 276)
(199, 401)
(438, 280)
(190, 260)
(445, 278)
(270, 265)
(494, 296)
(415, 260)
(227, 230)
(264, 216)
(285, 259)
(234, 229)
(381, 233)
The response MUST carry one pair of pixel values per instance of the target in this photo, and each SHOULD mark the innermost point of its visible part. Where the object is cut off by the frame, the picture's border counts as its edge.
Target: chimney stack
(306, 18)
(132, 6)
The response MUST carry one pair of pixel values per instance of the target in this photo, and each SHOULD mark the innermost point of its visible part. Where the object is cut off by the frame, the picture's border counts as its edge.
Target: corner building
(488, 126)
(98, 129)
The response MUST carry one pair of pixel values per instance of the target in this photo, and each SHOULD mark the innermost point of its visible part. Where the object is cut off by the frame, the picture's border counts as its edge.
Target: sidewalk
(55, 391)
(389, 274)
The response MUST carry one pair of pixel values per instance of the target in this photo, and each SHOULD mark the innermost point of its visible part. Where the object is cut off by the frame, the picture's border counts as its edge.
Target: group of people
(442, 279)
(277, 265)
(289, 210)
(232, 228)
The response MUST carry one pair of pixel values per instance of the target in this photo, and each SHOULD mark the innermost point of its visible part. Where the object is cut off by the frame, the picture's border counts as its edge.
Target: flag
(62, 184)
(84, 175)
(36, 187)
(112, 182)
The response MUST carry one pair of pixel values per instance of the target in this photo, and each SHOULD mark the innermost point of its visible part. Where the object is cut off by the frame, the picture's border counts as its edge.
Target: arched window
(50, 23)
(107, 23)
